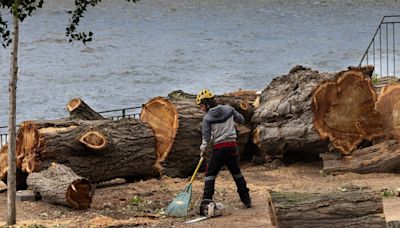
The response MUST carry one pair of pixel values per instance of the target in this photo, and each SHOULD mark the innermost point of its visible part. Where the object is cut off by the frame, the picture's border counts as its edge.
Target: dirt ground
(141, 204)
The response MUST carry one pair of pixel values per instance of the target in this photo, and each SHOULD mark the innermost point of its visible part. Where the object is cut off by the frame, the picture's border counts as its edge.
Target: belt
(225, 144)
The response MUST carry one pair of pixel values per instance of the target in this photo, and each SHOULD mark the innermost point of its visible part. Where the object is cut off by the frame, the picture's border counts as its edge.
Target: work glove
(203, 148)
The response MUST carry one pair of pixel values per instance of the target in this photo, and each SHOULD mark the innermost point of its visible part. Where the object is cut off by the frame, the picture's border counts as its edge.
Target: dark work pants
(228, 156)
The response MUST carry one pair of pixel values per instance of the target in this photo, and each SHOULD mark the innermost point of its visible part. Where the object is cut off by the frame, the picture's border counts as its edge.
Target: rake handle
(196, 170)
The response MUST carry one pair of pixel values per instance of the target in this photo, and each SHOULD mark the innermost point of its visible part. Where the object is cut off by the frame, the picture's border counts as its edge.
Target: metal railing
(381, 51)
(116, 114)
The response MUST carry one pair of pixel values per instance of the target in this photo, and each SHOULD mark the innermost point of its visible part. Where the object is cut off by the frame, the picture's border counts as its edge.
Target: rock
(27, 195)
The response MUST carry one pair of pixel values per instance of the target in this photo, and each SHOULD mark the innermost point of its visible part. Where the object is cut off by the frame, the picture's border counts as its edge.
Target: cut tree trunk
(379, 158)
(359, 208)
(177, 127)
(284, 119)
(60, 185)
(80, 110)
(3, 161)
(99, 150)
(388, 105)
(20, 176)
(344, 110)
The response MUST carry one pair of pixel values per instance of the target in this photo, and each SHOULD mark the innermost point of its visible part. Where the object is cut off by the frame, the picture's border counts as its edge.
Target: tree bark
(344, 110)
(80, 110)
(283, 122)
(11, 176)
(388, 105)
(359, 208)
(99, 150)
(177, 127)
(379, 158)
(60, 185)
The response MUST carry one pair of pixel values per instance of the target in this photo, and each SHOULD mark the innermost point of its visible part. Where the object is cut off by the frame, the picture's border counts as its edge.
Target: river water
(153, 47)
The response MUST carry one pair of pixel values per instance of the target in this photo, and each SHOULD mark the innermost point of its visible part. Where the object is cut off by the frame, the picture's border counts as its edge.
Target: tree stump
(284, 118)
(359, 208)
(60, 185)
(344, 110)
(379, 158)
(80, 110)
(99, 150)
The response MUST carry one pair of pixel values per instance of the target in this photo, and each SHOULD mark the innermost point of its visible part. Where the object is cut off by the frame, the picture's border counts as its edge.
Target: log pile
(305, 112)
(358, 208)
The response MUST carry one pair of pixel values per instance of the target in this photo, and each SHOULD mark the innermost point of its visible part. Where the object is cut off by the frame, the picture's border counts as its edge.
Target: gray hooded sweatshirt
(219, 125)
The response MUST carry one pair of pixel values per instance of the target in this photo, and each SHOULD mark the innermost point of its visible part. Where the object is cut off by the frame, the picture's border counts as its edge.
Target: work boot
(245, 197)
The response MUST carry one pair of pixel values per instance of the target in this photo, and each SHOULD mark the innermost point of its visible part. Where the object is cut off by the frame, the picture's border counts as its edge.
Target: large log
(80, 110)
(380, 158)
(358, 208)
(284, 119)
(177, 127)
(388, 105)
(60, 185)
(99, 150)
(344, 110)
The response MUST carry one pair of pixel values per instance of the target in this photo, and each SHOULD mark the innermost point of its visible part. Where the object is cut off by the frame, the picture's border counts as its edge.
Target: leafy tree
(20, 10)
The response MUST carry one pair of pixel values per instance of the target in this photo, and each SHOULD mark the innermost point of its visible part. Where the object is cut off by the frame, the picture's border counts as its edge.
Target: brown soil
(141, 203)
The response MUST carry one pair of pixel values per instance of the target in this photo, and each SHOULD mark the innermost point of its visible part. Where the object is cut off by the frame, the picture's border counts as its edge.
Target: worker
(219, 131)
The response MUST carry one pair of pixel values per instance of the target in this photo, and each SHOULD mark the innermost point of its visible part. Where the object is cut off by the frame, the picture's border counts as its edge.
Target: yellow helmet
(203, 95)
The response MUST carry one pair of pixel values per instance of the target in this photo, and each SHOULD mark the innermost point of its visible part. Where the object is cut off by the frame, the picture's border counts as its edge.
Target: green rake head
(180, 205)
